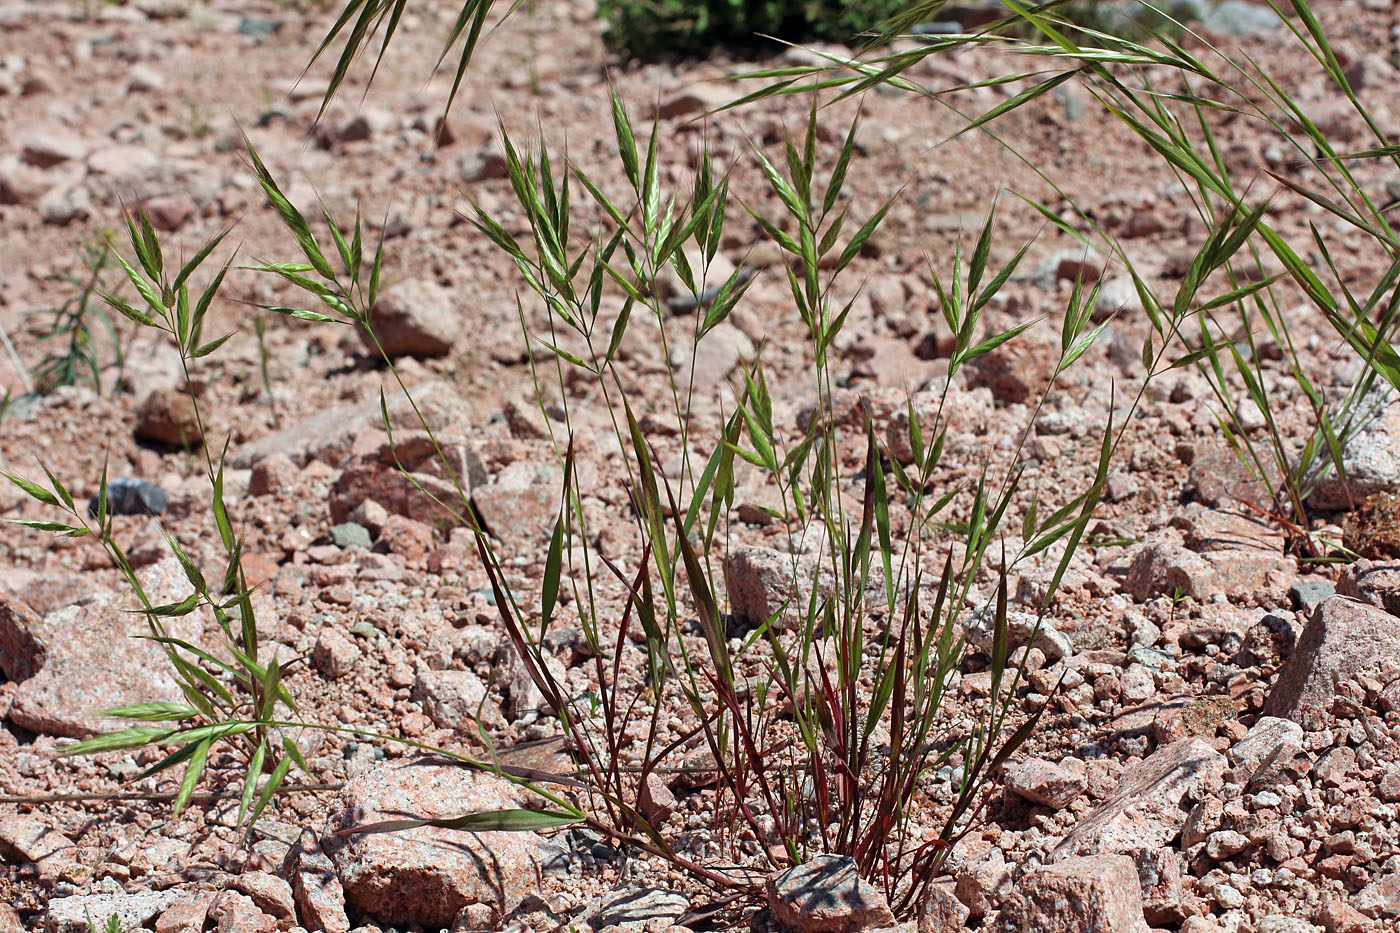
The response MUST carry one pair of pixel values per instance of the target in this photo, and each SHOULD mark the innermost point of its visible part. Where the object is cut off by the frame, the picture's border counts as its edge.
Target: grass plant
(812, 755)
(70, 327)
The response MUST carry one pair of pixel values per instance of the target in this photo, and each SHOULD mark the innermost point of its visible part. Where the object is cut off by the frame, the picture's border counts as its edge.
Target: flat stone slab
(93, 658)
(1149, 805)
(427, 875)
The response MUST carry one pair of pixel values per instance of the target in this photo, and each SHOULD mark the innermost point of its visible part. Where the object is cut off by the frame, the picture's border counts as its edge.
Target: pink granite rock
(655, 800)
(415, 317)
(94, 658)
(1149, 805)
(1345, 640)
(456, 699)
(940, 911)
(984, 880)
(1159, 873)
(319, 897)
(272, 894)
(826, 894)
(519, 507)
(30, 837)
(335, 654)
(22, 651)
(1095, 894)
(427, 875)
(1044, 782)
(762, 581)
(236, 913)
(1163, 569)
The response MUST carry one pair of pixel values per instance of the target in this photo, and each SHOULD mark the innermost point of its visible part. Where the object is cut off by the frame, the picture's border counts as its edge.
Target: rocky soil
(1221, 753)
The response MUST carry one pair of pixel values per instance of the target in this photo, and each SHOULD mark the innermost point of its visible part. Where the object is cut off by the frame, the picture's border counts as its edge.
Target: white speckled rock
(1369, 460)
(70, 914)
(1045, 782)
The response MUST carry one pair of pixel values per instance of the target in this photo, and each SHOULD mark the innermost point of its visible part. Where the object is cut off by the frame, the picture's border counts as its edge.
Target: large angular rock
(1381, 898)
(21, 184)
(706, 365)
(1096, 894)
(45, 147)
(416, 496)
(236, 913)
(9, 920)
(521, 506)
(484, 164)
(1183, 717)
(335, 654)
(1165, 569)
(94, 658)
(1021, 629)
(1265, 741)
(1016, 371)
(526, 699)
(272, 895)
(826, 894)
(1218, 479)
(31, 838)
(414, 317)
(1149, 805)
(1117, 296)
(427, 875)
(763, 583)
(635, 909)
(1373, 582)
(982, 879)
(940, 911)
(456, 699)
(1159, 874)
(1345, 640)
(168, 417)
(428, 494)
(1045, 782)
(694, 99)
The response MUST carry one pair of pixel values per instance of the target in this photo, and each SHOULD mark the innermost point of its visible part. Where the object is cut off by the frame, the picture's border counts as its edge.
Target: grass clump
(825, 719)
